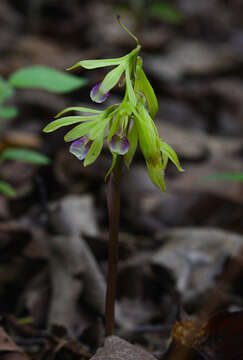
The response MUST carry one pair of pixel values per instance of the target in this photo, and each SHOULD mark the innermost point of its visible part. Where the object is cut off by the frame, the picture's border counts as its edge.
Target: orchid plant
(122, 126)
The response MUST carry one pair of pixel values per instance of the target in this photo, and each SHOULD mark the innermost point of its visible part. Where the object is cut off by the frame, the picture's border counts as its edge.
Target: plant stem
(113, 204)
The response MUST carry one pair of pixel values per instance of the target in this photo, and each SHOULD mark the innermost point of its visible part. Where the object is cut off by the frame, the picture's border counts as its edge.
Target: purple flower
(97, 96)
(119, 144)
(80, 147)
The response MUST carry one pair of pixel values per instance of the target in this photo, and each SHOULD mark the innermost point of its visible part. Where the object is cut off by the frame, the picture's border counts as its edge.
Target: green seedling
(122, 126)
(36, 77)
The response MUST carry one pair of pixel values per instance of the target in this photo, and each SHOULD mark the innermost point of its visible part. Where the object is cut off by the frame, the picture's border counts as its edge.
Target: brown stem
(113, 203)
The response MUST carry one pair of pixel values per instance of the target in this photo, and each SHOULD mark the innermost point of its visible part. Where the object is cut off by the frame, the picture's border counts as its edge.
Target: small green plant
(40, 77)
(122, 126)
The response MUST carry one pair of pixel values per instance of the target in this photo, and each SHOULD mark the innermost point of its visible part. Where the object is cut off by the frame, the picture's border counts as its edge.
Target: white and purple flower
(80, 147)
(119, 144)
(97, 95)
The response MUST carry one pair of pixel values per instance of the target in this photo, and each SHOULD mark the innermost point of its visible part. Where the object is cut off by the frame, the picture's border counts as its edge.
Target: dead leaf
(8, 349)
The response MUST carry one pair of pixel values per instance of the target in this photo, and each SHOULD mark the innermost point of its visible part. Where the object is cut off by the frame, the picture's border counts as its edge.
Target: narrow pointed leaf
(157, 176)
(226, 176)
(78, 108)
(112, 78)
(42, 77)
(165, 160)
(170, 152)
(150, 146)
(95, 64)
(65, 121)
(99, 128)
(144, 113)
(8, 112)
(79, 131)
(7, 189)
(166, 11)
(113, 127)
(148, 138)
(6, 91)
(130, 91)
(143, 85)
(133, 141)
(94, 151)
(114, 158)
(24, 155)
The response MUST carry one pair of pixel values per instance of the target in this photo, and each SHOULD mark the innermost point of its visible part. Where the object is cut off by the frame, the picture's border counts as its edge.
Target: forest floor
(175, 247)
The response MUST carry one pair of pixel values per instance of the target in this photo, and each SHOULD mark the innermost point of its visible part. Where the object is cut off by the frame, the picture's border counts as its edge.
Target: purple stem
(113, 204)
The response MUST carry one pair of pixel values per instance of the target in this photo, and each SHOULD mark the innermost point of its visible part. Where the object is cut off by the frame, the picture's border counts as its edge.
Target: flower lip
(96, 95)
(119, 144)
(80, 147)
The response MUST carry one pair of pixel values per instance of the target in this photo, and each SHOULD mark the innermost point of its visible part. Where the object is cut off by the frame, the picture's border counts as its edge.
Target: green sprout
(123, 126)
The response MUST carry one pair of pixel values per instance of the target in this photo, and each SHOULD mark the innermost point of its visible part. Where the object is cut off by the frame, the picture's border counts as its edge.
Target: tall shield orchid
(122, 126)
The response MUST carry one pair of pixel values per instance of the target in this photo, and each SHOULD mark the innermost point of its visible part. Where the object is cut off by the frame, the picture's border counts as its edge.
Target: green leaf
(45, 78)
(94, 150)
(65, 121)
(133, 142)
(6, 91)
(147, 134)
(113, 127)
(156, 175)
(79, 131)
(97, 135)
(167, 12)
(225, 176)
(95, 64)
(99, 129)
(78, 108)
(7, 189)
(24, 155)
(130, 91)
(8, 112)
(143, 85)
(171, 154)
(150, 146)
(112, 78)
(165, 160)
(114, 158)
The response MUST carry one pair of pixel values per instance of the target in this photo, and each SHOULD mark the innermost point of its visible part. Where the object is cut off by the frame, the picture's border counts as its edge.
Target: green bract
(122, 125)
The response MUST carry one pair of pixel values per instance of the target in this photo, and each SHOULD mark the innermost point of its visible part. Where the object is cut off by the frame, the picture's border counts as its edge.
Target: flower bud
(97, 96)
(80, 147)
(119, 144)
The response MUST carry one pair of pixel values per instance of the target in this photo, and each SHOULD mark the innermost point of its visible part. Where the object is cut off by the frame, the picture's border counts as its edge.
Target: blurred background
(174, 246)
